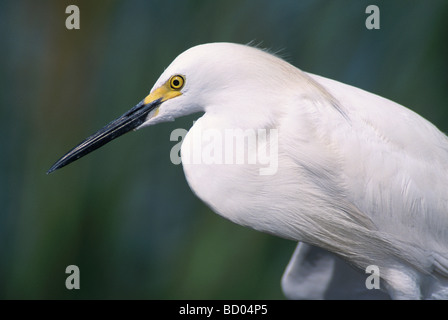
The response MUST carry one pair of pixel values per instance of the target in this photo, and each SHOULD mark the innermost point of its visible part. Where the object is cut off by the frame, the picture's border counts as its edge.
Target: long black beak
(128, 121)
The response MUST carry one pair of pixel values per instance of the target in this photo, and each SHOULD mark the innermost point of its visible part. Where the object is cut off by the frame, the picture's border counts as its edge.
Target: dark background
(125, 214)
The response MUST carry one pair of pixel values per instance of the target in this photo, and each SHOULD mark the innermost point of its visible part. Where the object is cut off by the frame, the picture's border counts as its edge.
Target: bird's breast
(236, 172)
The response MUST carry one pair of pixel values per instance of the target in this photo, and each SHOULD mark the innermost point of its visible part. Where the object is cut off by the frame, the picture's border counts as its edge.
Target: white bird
(360, 180)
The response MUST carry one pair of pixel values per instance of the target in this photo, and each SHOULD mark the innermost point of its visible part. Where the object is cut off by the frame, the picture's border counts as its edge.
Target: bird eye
(177, 82)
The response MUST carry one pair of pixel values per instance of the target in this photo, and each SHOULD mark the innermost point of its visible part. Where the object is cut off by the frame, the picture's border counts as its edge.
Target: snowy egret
(360, 180)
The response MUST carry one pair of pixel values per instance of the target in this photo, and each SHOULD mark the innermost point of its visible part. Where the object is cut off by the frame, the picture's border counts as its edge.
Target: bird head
(236, 81)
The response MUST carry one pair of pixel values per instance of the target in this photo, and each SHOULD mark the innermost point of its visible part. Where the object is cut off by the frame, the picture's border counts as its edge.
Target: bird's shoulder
(389, 162)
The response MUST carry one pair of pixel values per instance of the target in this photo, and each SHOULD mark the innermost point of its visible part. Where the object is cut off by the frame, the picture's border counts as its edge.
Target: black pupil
(176, 83)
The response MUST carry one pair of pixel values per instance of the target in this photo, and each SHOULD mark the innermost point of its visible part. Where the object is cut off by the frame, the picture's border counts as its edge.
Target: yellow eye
(177, 82)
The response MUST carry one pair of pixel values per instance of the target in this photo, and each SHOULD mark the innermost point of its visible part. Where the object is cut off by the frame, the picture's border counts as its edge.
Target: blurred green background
(125, 214)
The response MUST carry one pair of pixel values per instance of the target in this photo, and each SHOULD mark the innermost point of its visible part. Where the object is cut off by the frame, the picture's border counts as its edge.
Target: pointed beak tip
(53, 168)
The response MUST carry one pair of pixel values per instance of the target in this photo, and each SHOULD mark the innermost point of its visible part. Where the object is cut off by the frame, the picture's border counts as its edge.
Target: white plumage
(358, 175)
